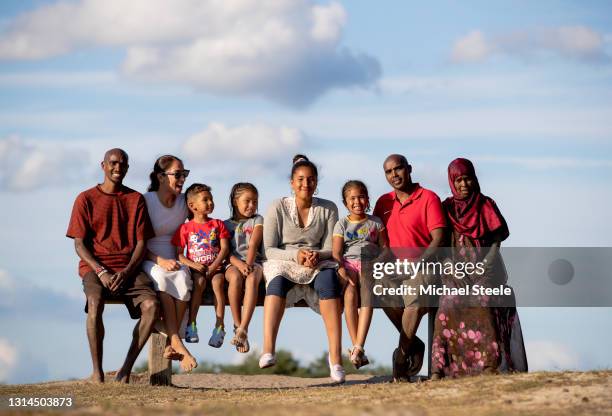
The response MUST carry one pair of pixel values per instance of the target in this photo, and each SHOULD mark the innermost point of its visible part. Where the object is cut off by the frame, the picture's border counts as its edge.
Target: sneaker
(191, 333)
(336, 371)
(217, 337)
(267, 360)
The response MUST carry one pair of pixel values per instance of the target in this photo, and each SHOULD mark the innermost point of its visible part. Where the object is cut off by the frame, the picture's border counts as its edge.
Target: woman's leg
(328, 288)
(199, 284)
(170, 318)
(274, 308)
(235, 292)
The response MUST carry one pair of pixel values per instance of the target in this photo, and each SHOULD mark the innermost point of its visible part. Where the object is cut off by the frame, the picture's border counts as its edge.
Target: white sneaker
(336, 371)
(267, 360)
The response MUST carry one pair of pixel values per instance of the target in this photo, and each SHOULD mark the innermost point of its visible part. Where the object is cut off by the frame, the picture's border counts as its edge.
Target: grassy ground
(531, 394)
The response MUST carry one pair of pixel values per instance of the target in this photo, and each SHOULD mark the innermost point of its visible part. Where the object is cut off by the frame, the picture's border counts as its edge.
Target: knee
(95, 305)
(327, 285)
(150, 308)
(279, 286)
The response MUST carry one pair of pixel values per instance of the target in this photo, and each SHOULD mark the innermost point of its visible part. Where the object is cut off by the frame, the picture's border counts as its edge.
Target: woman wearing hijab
(472, 336)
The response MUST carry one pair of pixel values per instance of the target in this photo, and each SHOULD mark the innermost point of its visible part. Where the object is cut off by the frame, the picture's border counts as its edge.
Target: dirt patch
(212, 394)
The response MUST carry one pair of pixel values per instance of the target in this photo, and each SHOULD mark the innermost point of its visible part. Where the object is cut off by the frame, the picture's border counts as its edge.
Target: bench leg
(160, 369)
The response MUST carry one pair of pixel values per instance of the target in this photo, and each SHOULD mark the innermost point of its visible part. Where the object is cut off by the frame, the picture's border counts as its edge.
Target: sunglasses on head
(178, 174)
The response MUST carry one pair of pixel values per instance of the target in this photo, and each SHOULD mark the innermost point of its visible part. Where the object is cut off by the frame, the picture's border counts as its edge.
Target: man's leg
(95, 327)
(149, 310)
(411, 345)
(141, 301)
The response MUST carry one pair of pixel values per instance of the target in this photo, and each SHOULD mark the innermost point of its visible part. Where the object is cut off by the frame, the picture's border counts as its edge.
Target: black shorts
(135, 290)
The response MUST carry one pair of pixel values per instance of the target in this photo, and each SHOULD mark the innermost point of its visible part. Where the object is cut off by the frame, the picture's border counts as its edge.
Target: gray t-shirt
(241, 232)
(359, 235)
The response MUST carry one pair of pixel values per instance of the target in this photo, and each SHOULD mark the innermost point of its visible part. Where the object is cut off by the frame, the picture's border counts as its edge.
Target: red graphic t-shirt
(202, 240)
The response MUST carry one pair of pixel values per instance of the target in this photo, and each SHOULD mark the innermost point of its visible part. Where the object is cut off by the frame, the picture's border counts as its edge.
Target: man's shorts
(135, 290)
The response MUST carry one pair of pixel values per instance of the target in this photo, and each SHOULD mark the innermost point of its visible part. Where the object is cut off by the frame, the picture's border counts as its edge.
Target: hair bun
(300, 158)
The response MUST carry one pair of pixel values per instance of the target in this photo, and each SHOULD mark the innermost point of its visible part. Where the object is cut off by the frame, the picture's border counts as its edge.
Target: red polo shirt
(409, 223)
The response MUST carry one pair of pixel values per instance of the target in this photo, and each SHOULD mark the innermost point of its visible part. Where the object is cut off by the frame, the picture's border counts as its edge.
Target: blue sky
(236, 88)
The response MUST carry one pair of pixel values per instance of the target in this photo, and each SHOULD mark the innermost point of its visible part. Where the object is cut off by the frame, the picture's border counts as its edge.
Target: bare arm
(167, 264)
(85, 255)
(254, 243)
(216, 264)
(189, 263)
(137, 256)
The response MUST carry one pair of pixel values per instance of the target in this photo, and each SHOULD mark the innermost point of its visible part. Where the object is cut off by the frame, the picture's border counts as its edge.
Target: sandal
(241, 341)
(358, 357)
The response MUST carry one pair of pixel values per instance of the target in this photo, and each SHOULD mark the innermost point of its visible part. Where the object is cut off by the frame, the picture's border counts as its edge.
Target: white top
(165, 222)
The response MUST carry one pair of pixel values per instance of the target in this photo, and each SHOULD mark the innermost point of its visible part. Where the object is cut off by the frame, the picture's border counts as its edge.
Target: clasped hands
(308, 258)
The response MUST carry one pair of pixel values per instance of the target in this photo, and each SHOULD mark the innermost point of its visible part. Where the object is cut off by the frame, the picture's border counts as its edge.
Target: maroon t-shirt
(110, 226)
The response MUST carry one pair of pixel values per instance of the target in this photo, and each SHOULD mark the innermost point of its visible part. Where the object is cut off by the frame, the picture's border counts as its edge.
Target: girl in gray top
(358, 237)
(244, 270)
(298, 245)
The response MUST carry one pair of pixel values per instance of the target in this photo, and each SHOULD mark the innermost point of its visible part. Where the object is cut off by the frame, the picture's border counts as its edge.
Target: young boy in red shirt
(206, 242)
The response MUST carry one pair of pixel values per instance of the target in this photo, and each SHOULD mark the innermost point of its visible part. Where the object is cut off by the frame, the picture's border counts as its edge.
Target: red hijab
(476, 216)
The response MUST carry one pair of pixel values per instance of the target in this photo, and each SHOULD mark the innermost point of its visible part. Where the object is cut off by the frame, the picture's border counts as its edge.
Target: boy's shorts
(135, 290)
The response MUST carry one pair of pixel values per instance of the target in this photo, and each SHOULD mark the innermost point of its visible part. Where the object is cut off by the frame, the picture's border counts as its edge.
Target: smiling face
(356, 200)
(397, 173)
(115, 166)
(173, 178)
(464, 186)
(246, 204)
(304, 182)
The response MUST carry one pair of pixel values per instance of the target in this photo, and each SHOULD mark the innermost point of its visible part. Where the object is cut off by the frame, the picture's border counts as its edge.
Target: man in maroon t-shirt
(415, 223)
(110, 225)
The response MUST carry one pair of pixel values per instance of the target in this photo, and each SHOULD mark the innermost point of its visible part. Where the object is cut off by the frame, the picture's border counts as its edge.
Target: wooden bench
(160, 368)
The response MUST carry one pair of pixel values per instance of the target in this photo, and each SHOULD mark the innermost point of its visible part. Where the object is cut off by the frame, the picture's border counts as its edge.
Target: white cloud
(25, 166)
(550, 356)
(8, 359)
(252, 148)
(285, 50)
(575, 42)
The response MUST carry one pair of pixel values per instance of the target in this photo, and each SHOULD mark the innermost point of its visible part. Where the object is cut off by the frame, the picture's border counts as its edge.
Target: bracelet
(100, 271)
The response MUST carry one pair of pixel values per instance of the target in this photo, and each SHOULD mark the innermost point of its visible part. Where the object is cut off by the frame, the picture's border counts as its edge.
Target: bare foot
(188, 363)
(95, 378)
(171, 354)
(122, 377)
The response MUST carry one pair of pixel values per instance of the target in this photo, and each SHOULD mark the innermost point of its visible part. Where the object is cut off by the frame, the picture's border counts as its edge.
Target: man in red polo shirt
(415, 222)
(110, 225)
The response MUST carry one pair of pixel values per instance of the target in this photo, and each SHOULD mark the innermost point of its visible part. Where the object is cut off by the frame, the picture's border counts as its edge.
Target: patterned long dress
(471, 336)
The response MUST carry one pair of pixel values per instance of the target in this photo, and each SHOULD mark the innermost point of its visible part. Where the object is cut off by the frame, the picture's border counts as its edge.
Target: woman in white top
(168, 210)
(298, 244)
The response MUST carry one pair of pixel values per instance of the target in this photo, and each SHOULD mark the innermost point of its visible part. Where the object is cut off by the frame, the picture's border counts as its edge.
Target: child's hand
(245, 269)
(343, 274)
(202, 268)
(169, 264)
(353, 278)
